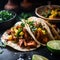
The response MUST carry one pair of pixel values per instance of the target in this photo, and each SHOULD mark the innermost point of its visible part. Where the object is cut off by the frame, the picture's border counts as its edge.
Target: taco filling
(28, 34)
(19, 35)
(39, 32)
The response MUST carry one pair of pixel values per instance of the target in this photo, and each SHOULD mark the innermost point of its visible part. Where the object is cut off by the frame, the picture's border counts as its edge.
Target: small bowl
(39, 10)
(8, 23)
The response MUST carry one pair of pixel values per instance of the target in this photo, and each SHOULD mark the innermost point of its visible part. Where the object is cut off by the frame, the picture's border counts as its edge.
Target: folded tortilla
(16, 46)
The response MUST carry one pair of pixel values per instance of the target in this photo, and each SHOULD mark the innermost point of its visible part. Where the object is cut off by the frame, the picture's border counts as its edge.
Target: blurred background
(34, 2)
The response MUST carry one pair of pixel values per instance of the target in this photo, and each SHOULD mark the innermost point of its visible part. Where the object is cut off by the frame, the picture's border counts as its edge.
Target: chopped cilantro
(31, 23)
(22, 24)
(19, 30)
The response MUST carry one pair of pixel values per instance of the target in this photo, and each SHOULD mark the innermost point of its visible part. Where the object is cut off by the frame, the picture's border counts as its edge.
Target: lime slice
(54, 45)
(38, 57)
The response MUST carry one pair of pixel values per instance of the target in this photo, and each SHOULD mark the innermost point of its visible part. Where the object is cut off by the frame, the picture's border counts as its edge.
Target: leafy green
(2, 44)
(31, 23)
(22, 24)
(46, 14)
(25, 15)
(19, 30)
(33, 28)
(5, 15)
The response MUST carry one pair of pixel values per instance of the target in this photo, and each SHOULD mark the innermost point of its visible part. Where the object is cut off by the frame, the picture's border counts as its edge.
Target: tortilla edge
(15, 46)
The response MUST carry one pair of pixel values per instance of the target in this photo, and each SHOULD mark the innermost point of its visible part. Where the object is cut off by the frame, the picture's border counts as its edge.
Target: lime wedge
(38, 57)
(54, 45)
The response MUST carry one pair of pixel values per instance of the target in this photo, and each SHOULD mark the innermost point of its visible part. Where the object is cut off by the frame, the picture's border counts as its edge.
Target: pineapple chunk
(10, 37)
(44, 32)
(39, 29)
(21, 33)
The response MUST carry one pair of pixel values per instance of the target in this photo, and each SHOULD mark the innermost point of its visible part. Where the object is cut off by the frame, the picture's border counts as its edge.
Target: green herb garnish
(5, 15)
(22, 24)
(25, 16)
(31, 23)
(19, 30)
(2, 44)
(46, 14)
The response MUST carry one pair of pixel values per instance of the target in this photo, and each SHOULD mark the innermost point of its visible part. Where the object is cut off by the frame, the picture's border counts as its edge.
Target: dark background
(35, 2)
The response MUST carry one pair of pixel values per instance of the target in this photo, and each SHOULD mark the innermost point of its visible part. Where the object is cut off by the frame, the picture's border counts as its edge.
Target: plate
(38, 12)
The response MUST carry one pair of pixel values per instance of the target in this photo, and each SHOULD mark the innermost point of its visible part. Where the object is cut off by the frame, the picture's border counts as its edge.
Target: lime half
(38, 57)
(54, 46)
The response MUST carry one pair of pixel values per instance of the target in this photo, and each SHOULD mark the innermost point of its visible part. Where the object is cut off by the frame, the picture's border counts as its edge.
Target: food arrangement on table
(30, 33)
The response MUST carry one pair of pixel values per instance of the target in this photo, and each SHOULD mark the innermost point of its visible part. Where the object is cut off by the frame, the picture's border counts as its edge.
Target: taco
(18, 38)
(28, 35)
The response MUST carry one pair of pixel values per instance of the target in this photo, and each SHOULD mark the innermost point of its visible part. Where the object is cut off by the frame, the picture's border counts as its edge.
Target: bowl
(54, 46)
(38, 12)
(7, 19)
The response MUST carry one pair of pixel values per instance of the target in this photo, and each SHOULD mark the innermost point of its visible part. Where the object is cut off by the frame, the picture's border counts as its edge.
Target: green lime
(54, 46)
(38, 57)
